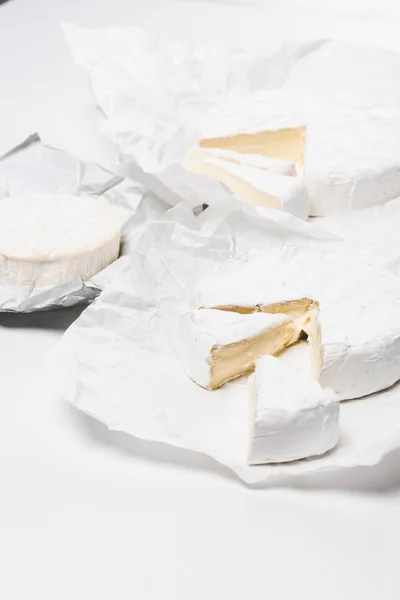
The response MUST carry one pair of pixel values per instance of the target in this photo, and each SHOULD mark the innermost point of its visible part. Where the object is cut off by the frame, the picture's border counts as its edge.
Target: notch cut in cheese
(218, 346)
(282, 144)
(291, 415)
(351, 156)
(356, 337)
(257, 186)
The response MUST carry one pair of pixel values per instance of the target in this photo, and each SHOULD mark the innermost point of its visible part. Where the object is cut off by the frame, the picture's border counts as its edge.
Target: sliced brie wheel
(217, 346)
(257, 186)
(348, 151)
(48, 239)
(351, 310)
(292, 416)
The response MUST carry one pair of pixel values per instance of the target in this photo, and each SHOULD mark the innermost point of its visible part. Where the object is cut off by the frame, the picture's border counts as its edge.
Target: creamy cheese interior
(234, 360)
(241, 188)
(257, 161)
(304, 313)
(282, 144)
(313, 330)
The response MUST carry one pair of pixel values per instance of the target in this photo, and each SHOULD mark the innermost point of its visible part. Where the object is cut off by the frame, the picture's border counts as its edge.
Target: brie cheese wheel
(257, 186)
(197, 156)
(217, 346)
(349, 153)
(291, 415)
(355, 334)
(49, 239)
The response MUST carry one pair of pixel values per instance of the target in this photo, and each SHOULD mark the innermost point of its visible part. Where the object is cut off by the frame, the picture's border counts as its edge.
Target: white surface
(85, 513)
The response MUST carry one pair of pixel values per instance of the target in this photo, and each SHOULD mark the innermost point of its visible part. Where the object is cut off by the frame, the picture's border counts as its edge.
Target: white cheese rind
(259, 187)
(347, 72)
(292, 416)
(283, 167)
(272, 110)
(201, 331)
(373, 231)
(359, 309)
(48, 239)
(352, 158)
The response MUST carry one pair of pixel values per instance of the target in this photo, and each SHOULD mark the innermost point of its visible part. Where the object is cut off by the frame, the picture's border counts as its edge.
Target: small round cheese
(50, 239)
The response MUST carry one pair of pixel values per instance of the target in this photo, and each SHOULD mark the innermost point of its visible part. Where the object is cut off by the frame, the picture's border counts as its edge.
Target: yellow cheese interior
(282, 144)
(237, 359)
(313, 330)
(234, 360)
(240, 188)
(302, 311)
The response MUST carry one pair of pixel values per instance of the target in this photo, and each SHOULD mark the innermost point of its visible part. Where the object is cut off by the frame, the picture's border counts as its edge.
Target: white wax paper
(33, 168)
(117, 361)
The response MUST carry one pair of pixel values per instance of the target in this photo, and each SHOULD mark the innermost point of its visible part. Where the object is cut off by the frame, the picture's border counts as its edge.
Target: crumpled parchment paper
(118, 363)
(154, 95)
(31, 168)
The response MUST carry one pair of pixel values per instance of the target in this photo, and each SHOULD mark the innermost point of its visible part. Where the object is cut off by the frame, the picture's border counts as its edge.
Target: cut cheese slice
(257, 186)
(292, 416)
(197, 156)
(355, 334)
(48, 239)
(217, 346)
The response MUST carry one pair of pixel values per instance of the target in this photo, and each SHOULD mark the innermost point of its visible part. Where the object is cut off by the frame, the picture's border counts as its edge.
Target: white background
(89, 514)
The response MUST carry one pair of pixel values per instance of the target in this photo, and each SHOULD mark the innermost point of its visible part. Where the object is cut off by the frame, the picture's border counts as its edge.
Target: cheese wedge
(217, 346)
(257, 186)
(351, 310)
(291, 415)
(48, 239)
(197, 156)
